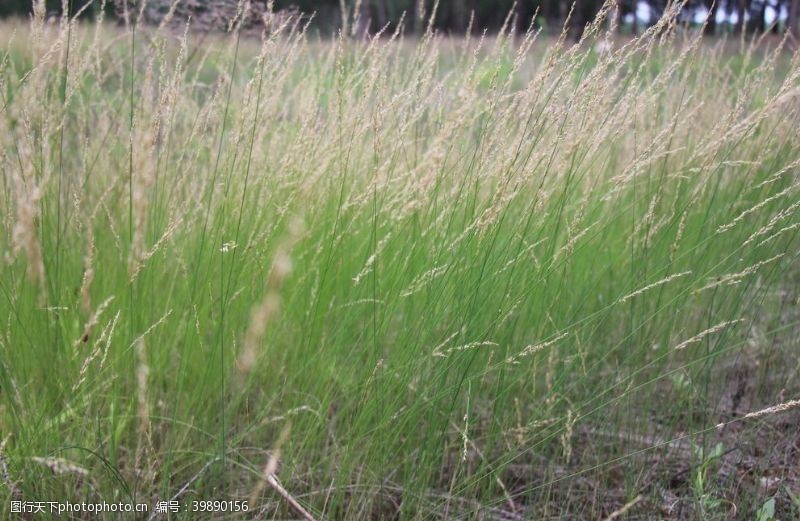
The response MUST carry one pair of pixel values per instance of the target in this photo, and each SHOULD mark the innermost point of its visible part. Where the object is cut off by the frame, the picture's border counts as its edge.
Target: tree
(711, 23)
(793, 23)
(453, 16)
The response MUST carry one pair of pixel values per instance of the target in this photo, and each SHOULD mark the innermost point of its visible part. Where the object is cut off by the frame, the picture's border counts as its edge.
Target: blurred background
(453, 16)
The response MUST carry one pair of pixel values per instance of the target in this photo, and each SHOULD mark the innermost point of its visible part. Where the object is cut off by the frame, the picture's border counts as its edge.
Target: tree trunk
(363, 19)
(618, 15)
(793, 23)
(578, 20)
(762, 18)
(563, 10)
(742, 9)
(711, 24)
(756, 24)
(419, 16)
(516, 22)
(460, 16)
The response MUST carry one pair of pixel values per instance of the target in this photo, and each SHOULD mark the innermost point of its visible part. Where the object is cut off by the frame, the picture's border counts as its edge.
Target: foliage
(453, 16)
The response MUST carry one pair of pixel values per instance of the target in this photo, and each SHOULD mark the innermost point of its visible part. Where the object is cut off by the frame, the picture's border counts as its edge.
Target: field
(496, 278)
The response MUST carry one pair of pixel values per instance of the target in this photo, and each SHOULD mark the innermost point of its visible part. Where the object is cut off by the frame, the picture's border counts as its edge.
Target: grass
(495, 278)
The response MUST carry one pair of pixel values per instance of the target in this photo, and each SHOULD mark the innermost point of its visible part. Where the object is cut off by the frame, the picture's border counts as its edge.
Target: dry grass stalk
(535, 348)
(701, 335)
(268, 478)
(262, 314)
(25, 236)
(88, 276)
(94, 318)
(653, 285)
(620, 512)
(61, 466)
(775, 409)
(731, 279)
(464, 347)
(272, 481)
(101, 347)
(4, 473)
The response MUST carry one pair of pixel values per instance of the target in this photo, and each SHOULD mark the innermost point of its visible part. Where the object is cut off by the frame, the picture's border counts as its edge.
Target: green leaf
(767, 510)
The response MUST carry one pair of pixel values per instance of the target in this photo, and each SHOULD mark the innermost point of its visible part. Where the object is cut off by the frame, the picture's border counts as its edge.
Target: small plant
(767, 511)
(707, 501)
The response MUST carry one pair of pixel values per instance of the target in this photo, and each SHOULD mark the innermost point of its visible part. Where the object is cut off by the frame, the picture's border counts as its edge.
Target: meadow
(498, 277)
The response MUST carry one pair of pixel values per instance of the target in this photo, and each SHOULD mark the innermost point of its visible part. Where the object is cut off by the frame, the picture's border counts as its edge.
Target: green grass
(435, 279)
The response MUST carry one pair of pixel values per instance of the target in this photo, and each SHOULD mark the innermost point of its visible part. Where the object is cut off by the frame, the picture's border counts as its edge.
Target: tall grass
(410, 279)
